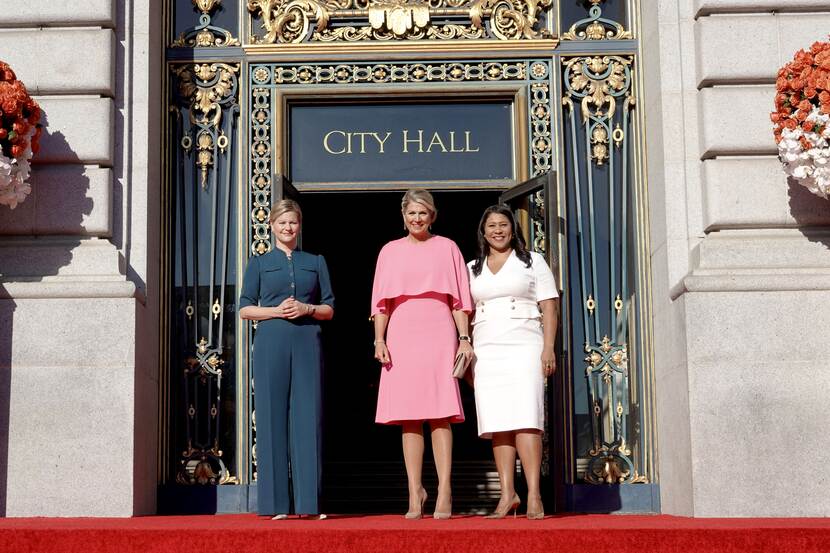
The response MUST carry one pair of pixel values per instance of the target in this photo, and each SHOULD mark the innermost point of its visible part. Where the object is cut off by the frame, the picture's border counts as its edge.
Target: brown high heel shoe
(415, 515)
(512, 506)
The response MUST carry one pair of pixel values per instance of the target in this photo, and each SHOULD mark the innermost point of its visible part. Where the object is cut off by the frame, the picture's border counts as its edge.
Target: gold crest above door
(326, 21)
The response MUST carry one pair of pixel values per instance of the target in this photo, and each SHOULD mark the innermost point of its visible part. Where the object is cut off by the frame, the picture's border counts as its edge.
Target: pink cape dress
(418, 285)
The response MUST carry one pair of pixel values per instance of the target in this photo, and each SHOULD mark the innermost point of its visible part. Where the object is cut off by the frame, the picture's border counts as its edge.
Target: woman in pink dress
(420, 304)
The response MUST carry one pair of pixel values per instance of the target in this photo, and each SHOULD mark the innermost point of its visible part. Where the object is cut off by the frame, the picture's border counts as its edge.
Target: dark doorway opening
(362, 461)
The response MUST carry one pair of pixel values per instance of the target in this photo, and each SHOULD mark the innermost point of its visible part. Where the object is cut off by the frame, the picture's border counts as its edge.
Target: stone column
(78, 294)
(741, 264)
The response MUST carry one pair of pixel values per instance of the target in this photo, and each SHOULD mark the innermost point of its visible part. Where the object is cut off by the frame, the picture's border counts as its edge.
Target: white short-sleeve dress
(508, 341)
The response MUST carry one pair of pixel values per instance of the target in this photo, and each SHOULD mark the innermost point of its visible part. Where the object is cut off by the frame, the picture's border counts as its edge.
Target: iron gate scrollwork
(598, 100)
(204, 113)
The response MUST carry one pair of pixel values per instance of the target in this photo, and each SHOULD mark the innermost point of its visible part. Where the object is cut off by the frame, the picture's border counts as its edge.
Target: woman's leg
(305, 430)
(529, 446)
(504, 452)
(272, 366)
(413, 456)
(442, 452)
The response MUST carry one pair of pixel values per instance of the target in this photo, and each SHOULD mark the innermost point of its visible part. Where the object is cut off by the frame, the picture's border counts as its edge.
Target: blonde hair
(285, 206)
(420, 196)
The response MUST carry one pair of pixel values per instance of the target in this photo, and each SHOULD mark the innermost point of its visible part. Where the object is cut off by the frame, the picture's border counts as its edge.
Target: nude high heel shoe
(537, 515)
(415, 515)
(443, 515)
(512, 506)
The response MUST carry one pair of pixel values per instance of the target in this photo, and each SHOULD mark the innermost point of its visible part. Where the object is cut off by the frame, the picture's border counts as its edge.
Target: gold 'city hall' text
(344, 142)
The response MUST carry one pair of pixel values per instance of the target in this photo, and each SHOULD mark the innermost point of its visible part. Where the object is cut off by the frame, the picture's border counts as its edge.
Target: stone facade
(741, 264)
(78, 298)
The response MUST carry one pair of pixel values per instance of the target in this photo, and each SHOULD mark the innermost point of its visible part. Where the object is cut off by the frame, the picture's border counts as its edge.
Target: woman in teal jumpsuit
(289, 293)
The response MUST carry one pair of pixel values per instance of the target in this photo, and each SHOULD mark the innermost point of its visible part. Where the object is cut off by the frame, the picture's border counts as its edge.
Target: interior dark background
(363, 462)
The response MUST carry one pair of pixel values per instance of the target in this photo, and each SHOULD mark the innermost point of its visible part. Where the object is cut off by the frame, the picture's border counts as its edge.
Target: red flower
(19, 114)
(20, 126)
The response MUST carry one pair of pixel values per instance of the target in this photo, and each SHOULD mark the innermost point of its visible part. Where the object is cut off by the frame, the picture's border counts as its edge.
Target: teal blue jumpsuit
(288, 363)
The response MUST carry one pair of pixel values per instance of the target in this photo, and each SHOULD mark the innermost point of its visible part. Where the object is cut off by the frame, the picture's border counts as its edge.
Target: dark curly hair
(517, 242)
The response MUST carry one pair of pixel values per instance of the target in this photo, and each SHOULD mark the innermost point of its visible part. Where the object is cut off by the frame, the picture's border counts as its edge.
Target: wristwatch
(464, 338)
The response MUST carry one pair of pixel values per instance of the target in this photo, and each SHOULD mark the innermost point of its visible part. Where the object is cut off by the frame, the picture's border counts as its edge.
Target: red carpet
(571, 534)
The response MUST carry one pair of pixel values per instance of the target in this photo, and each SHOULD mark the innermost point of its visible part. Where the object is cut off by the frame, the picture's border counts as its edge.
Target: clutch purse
(460, 365)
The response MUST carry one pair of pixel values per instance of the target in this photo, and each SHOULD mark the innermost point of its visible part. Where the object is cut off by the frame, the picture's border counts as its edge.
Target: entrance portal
(363, 467)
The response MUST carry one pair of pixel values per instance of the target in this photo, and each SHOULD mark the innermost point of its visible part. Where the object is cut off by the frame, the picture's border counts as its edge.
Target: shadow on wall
(55, 208)
(7, 307)
(811, 213)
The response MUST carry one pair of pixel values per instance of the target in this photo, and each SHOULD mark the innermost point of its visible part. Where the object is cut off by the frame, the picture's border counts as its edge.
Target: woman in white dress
(514, 330)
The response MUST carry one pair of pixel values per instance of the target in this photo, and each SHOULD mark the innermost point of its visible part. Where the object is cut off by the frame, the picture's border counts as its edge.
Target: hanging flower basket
(19, 135)
(802, 118)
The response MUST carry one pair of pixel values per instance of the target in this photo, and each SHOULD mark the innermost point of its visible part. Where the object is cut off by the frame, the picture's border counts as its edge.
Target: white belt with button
(507, 307)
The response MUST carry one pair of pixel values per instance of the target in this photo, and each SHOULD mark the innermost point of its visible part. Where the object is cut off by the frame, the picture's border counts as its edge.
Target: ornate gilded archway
(570, 74)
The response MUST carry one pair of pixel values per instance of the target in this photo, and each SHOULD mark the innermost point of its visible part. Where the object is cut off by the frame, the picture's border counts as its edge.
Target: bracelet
(376, 342)
(464, 338)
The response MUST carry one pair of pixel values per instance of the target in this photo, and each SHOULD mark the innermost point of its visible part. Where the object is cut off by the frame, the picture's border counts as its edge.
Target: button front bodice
(274, 276)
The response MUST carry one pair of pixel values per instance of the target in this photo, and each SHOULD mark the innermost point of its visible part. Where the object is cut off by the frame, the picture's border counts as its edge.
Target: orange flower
(19, 114)
(801, 115)
(807, 126)
(810, 92)
(790, 124)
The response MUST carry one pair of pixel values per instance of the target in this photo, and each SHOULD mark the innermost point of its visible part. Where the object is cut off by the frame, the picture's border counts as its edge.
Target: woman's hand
(548, 361)
(290, 308)
(382, 352)
(464, 347)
